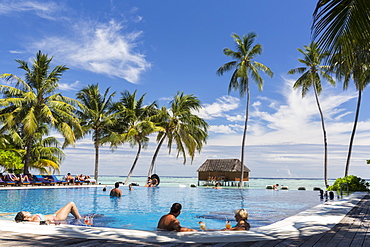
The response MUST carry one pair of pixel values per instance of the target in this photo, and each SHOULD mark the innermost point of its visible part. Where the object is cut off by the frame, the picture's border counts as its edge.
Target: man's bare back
(116, 192)
(169, 222)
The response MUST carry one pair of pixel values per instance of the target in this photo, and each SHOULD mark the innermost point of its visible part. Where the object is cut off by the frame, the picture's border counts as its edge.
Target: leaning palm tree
(33, 101)
(311, 77)
(181, 125)
(138, 125)
(244, 68)
(98, 116)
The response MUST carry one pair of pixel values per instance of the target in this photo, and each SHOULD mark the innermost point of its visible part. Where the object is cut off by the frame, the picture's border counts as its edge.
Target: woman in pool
(241, 216)
(61, 214)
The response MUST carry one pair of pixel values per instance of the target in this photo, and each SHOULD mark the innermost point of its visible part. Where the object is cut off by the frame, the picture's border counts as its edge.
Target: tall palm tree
(34, 101)
(244, 68)
(343, 27)
(139, 126)
(311, 77)
(359, 72)
(98, 116)
(182, 126)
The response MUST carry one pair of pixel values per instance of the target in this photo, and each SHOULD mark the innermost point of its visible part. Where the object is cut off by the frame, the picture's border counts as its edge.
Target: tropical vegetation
(10, 160)
(244, 68)
(181, 126)
(354, 183)
(98, 116)
(33, 103)
(342, 27)
(138, 126)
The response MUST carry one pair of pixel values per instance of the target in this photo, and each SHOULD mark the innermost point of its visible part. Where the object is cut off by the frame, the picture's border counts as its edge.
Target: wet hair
(116, 185)
(19, 217)
(176, 207)
(242, 213)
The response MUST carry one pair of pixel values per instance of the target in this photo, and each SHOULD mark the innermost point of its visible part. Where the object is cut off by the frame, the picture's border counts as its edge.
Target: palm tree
(244, 67)
(311, 77)
(98, 116)
(338, 24)
(33, 102)
(139, 126)
(181, 126)
(359, 72)
(343, 27)
(46, 155)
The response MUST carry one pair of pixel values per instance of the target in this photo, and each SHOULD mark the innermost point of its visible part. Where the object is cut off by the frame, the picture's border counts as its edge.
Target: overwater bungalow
(226, 172)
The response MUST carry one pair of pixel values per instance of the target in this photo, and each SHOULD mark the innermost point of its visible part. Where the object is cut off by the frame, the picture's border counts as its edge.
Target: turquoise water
(254, 183)
(141, 208)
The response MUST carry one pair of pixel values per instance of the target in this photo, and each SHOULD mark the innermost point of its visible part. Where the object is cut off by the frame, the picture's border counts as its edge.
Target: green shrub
(10, 160)
(354, 183)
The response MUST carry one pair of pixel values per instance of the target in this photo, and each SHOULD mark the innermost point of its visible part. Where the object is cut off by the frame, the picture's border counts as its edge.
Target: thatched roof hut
(222, 170)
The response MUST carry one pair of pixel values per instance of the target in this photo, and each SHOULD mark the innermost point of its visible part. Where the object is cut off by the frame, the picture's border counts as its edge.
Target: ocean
(254, 183)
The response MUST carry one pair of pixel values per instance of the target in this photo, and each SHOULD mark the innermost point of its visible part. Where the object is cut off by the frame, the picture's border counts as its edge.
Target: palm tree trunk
(325, 139)
(134, 164)
(96, 144)
(156, 154)
(28, 156)
(353, 132)
(244, 139)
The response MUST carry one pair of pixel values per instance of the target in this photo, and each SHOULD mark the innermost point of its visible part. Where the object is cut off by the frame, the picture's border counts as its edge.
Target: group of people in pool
(168, 222)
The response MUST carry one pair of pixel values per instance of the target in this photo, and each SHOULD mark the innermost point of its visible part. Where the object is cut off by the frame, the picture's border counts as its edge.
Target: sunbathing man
(116, 192)
(61, 214)
(170, 222)
(69, 178)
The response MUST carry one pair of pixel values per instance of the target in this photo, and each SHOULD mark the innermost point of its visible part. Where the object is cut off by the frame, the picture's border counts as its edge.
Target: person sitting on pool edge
(241, 216)
(170, 222)
(61, 214)
(116, 192)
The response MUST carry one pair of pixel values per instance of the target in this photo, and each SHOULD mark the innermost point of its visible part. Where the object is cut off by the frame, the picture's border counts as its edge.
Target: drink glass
(202, 225)
(228, 225)
(86, 220)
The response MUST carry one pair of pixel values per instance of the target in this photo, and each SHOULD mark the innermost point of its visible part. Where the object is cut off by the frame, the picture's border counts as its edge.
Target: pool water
(141, 208)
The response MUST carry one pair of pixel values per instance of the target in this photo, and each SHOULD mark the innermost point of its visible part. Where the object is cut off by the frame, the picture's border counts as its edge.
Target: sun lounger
(25, 182)
(43, 180)
(12, 183)
(54, 178)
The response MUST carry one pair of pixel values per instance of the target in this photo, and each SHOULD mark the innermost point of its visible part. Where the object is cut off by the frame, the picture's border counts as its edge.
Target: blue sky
(160, 47)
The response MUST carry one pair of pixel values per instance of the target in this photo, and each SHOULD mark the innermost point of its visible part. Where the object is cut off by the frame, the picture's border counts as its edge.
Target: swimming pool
(141, 208)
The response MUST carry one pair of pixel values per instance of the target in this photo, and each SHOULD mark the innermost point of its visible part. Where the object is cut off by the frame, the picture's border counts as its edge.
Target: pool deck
(339, 222)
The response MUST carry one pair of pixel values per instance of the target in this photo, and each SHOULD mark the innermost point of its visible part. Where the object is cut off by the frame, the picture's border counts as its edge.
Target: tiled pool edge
(312, 221)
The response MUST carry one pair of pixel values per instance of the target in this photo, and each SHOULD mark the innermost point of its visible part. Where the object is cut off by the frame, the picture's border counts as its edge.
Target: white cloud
(43, 9)
(218, 108)
(15, 52)
(69, 87)
(224, 129)
(100, 48)
(294, 120)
